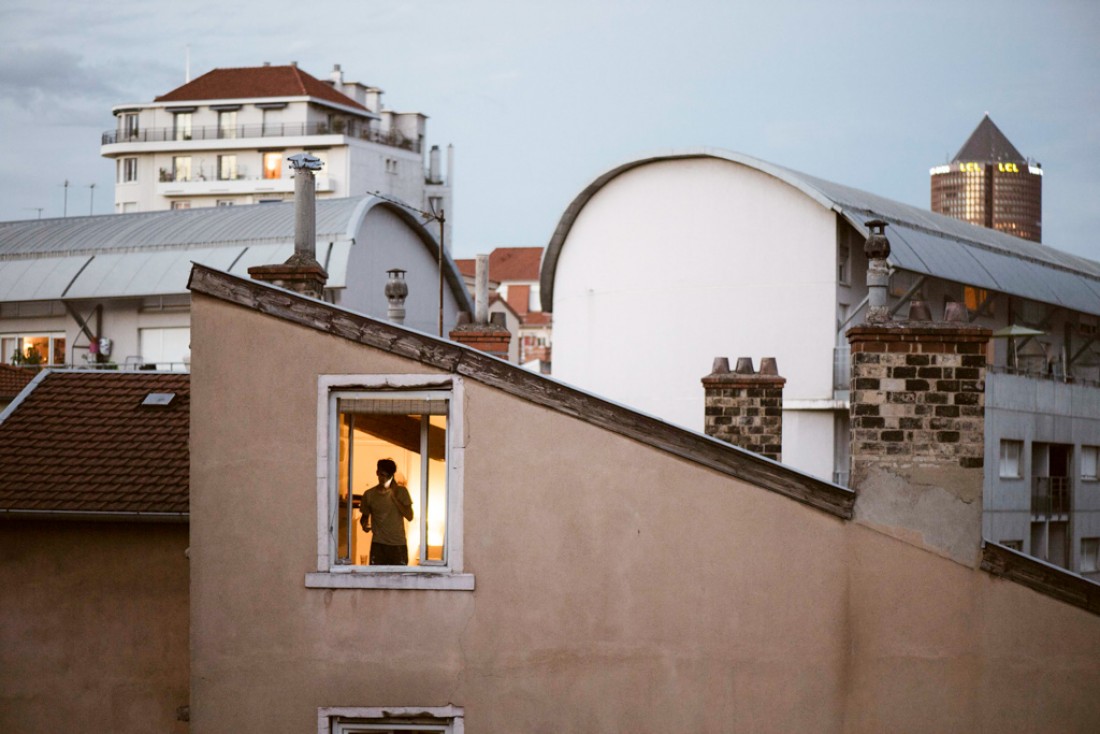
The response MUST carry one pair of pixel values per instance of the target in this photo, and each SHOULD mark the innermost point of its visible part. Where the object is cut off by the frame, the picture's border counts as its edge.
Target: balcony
(1050, 496)
(392, 138)
(201, 186)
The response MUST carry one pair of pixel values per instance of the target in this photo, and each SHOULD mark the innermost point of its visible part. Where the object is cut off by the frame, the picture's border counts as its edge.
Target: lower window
(394, 719)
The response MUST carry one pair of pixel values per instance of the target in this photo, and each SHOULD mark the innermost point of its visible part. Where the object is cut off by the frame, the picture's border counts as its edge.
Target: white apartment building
(223, 139)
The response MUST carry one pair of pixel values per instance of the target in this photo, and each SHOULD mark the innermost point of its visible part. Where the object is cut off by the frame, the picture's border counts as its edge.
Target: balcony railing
(272, 130)
(1050, 496)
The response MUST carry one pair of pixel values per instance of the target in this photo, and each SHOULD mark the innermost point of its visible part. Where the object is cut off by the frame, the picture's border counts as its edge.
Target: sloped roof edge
(514, 380)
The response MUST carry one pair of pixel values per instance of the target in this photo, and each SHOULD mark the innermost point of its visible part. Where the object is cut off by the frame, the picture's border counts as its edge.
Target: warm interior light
(273, 163)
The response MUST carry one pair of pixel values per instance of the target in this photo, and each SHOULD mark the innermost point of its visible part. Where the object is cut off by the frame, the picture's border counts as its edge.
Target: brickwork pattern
(746, 411)
(487, 338)
(918, 394)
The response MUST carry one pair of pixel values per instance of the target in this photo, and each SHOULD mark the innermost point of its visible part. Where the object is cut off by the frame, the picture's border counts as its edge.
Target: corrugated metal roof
(150, 253)
(922, 241)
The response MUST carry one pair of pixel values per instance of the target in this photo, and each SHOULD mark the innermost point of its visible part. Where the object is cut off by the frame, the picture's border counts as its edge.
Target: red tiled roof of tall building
(467, 266)
(515, 263)
(13, 379)
(257, 81)
(83, 442)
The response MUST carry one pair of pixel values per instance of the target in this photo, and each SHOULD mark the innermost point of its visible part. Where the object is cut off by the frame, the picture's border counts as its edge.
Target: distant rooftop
(84, 442)
(257, 81)
(987, 144)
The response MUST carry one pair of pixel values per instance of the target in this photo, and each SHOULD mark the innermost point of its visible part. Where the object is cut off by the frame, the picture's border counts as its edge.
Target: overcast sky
(541, 97)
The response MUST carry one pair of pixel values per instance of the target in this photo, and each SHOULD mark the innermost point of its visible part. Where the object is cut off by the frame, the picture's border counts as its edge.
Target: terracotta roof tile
(13, 379)
(515, 263)
(83, 442)
(257, 81)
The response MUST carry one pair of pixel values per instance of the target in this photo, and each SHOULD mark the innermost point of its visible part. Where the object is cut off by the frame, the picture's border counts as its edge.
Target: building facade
(574, 564)
(990, 184)
(224, 138)
(743, 284)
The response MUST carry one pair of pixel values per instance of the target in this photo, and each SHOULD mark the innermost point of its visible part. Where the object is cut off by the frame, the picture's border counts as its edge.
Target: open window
(415, 422)
(410, 429)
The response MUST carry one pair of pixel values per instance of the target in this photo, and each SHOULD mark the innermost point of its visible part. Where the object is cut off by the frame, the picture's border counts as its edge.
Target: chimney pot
(463, 318)
(768, 366)
(919, 311)
(721, 366)
(499, 319)
(955, 312)
(744, 366)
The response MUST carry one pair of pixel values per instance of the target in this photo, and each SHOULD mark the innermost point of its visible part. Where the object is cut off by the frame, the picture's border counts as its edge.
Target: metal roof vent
(159, 399)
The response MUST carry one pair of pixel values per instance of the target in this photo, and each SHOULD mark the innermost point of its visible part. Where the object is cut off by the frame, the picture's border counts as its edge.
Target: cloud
(53, 86)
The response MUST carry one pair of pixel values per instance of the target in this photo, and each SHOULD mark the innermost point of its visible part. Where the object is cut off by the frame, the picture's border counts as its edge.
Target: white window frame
(1001, 468)
(1090, 467)
(354, 719)
(329, 575)
(129, 170)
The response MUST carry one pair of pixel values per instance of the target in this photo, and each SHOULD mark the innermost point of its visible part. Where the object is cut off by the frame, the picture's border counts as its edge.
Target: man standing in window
(385, 508)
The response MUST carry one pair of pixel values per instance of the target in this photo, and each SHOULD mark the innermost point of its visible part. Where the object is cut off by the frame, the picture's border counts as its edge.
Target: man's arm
(404, 502)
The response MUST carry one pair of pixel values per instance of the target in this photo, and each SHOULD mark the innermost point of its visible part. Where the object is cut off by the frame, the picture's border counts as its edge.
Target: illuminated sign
(1008, 168)
(970, 167)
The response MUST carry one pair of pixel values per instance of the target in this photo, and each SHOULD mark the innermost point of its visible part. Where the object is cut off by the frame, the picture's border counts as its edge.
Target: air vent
(159, 399)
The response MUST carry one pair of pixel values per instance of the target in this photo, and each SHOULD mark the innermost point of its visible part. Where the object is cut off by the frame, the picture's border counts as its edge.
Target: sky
(539, 98)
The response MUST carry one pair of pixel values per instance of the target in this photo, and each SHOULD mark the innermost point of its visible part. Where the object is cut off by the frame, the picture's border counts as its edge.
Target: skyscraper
(989, 183)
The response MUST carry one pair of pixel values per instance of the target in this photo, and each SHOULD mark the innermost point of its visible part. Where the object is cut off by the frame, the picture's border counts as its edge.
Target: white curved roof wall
(674, 263)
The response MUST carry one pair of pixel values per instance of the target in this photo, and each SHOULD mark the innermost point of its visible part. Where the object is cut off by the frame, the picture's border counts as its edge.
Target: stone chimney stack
(745, 407)
(301, 272)
(917, 415)
(490, 335)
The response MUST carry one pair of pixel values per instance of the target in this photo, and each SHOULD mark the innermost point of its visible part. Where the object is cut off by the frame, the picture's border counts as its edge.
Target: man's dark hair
(388, 466)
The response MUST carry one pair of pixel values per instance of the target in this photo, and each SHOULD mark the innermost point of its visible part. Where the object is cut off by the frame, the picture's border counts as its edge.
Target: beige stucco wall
(618, 588)
(93, 626)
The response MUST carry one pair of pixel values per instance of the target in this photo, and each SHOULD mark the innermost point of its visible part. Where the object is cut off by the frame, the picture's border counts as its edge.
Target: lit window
(273, 165)
(181, 205)
(1090, 555)
(1010, 459)
(1090, 457)
(181, 168)
(413, 421)
(227, 167)
(181, 126)
(32, 349)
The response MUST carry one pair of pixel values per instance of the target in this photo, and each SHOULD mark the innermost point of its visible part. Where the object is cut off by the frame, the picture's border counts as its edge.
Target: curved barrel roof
(921, 241)
(150, 253)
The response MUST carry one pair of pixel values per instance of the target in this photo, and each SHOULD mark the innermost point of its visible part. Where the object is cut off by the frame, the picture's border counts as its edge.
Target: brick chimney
(917, 414)
(490, 335)
(745, 407)
(301, 272)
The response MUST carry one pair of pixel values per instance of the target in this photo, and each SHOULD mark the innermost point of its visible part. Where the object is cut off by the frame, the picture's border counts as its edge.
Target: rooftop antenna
(35, 209)
(65, 206)
(91, 198)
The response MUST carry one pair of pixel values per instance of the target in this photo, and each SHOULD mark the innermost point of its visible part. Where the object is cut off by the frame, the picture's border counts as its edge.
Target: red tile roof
(13, 379)
(257, 81)
(515, 263)
(467, 266)
(83, 442)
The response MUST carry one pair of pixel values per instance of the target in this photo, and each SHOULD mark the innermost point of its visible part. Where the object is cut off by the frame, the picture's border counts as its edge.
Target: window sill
(390, 580)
